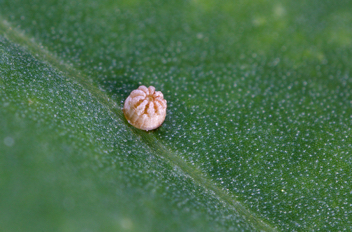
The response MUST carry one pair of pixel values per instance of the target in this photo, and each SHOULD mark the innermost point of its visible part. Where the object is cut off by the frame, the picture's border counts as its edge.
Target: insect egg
(145, 108)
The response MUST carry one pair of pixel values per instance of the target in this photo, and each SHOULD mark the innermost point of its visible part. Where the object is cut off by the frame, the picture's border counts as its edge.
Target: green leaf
(257, 134)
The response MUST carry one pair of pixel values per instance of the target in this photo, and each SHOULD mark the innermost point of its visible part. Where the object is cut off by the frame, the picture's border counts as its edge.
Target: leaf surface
(257, 135)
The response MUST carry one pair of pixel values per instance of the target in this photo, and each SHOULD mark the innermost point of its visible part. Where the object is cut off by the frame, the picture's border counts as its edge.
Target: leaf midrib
(44, 55)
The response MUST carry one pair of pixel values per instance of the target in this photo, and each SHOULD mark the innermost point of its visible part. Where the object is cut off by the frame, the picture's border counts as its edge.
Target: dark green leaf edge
(41, 53)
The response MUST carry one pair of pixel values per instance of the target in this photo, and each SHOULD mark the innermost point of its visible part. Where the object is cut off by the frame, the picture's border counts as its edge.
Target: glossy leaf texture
(257, 134)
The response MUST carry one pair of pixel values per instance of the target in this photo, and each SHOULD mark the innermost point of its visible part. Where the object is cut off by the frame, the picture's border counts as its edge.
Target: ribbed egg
(145, 108)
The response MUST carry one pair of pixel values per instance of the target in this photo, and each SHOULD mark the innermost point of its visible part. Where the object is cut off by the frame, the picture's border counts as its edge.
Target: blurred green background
(258, 130)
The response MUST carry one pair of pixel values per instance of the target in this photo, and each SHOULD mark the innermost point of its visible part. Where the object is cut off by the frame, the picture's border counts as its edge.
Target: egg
(145, 108)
